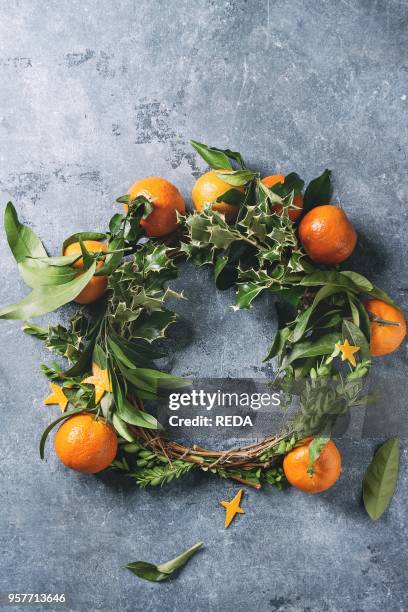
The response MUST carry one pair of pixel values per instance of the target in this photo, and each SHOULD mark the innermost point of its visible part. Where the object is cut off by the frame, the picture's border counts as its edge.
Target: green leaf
(380, 294)
(82, 236)
(222, 237)
(86, 255)
(359, 281)
(237, 178)
(315, 449)
(155, 325)
(35, 330)
(218, 159)
(22, 241)
(122, 428)
(246, 294)
(381, 478)
(132, 415)
(37, 274)
(60, 260)
(319, 191)
(157, 573)
(303, 319)
(112, 260)
(311, 348)
(279, 342)
(123, 199)
(234, 197)
(99, 357)
(51, 426)
(357, 338)
(330, 278)
(46, 299)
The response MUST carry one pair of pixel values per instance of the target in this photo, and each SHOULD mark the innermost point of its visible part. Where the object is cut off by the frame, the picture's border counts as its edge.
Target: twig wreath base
(319, 307)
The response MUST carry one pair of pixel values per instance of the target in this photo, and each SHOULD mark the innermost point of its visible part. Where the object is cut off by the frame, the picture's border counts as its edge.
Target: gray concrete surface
(95, 94)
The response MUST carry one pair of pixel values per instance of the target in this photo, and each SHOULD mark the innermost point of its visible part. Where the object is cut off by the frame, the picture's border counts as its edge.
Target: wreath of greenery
(317, 307)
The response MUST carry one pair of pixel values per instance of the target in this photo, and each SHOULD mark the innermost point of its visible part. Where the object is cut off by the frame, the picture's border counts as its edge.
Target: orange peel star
(232, 508)
(347, 351)
(100, 380)
(57, 397)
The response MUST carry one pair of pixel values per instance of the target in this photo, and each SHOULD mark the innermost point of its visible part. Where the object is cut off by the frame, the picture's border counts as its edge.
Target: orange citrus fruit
(388, 327)
(165, 199)
(327, 235)
(207, 189)
(86, 444)
(293, 214)
(326, 469)
(97, 285)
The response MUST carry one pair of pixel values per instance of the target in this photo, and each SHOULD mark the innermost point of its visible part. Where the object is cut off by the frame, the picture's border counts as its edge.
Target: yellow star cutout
(347, 351)
(232, 508)
(57, 397)
(100, 380)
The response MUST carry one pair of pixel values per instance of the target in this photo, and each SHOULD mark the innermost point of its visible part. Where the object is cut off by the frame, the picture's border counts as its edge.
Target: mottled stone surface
(95, 94)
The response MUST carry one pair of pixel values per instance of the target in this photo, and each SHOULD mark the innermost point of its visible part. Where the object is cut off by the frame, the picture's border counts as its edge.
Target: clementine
(86, 444)
(388, 327)
(165, 199)
(97, 285)
(327, 235)
(207, 189)
(324, 473)
(293, 214)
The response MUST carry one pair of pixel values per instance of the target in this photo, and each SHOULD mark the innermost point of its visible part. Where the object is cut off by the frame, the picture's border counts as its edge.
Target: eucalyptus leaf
(157, 573)
(23, 242)
(381, 478)
(46, 299)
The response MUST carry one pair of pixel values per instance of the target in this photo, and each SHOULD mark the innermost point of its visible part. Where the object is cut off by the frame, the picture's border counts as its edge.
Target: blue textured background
(95, 94)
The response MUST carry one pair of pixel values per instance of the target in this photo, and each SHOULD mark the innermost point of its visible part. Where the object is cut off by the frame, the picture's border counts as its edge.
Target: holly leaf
(318, 192)
(23, 242)
(381, 478)
(158, 573)
(246, 294)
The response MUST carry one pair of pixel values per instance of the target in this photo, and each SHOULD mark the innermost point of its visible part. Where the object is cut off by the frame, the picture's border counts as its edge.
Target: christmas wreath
(258, 235)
